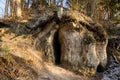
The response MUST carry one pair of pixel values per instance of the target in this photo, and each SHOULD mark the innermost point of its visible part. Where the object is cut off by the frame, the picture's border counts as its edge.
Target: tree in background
(6, 8)
(18, 8)
(106, 9)
(114, 7)
(15, 8)
(12, 8)
(96, 9)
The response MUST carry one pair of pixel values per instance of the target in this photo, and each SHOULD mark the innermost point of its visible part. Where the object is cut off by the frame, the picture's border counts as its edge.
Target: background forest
(96, 9)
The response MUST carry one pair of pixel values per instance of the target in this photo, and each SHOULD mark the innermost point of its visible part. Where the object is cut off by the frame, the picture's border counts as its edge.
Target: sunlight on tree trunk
(49, 2)
(19, 12)
(12, 8)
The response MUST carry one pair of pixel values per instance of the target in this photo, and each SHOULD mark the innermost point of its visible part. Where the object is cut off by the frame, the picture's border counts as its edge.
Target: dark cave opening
(100, 68)
(57, 48)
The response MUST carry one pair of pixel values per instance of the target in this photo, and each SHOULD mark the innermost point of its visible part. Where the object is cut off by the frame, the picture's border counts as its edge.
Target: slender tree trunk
(6, 8)
(54, 2)
(28, 2)
(19, 11)
(49, 2)
(12, 8)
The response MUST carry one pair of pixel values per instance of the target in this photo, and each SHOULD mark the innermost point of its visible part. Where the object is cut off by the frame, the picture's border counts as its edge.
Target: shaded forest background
(98, 10)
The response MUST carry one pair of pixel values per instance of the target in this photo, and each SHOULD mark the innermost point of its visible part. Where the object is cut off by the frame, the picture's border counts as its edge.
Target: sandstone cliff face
(101, 52)
(77, 43)
(80, 49)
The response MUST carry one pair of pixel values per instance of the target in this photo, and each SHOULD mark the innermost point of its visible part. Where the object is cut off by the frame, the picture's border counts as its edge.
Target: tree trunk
(28, 2)
(6, 8)
(12, 8)
(49, 2)
(19, 11)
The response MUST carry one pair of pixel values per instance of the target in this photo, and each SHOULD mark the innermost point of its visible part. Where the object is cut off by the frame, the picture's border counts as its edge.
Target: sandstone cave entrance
(57, 49)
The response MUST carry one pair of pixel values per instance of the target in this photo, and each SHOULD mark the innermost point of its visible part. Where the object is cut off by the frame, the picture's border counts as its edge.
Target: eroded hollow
(100, 68)
(57, 49)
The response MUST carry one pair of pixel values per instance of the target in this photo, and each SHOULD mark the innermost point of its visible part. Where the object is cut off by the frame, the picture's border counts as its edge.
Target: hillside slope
(20, 61)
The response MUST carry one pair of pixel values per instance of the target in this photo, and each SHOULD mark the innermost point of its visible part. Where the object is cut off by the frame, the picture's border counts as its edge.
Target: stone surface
(101, 51)
(80, 49)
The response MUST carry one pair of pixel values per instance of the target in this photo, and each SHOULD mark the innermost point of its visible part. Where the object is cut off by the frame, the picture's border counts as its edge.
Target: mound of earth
(34, 50)
(20, 61)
